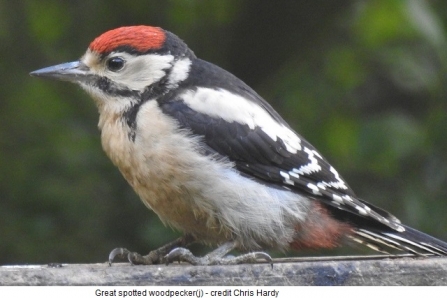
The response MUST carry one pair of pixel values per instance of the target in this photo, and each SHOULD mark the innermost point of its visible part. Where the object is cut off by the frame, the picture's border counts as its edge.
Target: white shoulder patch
(235, 108)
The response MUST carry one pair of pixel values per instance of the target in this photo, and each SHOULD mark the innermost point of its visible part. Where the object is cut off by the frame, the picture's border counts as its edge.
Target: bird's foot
(154, 257)
(216, 257)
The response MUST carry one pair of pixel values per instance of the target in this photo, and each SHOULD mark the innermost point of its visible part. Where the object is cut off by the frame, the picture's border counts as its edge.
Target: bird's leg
(153, 257)
(217, 256)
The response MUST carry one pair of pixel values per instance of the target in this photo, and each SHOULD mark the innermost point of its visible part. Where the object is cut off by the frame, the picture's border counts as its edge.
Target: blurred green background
(364, 81)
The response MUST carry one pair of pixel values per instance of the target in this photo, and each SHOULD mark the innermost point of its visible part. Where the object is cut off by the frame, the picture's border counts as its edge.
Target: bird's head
(126, 65)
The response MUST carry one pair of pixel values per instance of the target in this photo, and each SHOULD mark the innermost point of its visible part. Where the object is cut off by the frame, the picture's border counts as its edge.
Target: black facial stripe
(111, 88)
(131, 115)
(153, 91)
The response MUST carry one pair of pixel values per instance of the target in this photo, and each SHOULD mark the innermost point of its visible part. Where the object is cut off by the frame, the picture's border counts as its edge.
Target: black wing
(258, 154)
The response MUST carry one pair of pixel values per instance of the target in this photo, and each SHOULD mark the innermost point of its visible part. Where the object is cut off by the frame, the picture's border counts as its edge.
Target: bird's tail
(410, 240)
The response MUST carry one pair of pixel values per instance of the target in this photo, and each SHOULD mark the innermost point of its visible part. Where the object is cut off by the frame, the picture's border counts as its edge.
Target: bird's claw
(134, 258)
(118, 252)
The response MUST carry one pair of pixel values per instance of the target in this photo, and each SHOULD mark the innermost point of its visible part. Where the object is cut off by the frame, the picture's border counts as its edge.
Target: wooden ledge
(324, 271)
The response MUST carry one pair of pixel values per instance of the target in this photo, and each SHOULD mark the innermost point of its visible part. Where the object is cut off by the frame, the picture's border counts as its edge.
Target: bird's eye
(115, 63)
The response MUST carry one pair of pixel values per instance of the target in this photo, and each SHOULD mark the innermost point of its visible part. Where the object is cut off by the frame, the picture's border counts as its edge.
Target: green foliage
(364, 81)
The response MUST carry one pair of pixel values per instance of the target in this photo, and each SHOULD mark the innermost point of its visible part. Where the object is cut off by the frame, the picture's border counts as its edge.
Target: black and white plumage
(257, 139)
(215, 160)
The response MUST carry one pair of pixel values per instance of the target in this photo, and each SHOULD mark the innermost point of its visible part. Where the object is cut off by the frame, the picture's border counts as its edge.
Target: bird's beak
(76, 72)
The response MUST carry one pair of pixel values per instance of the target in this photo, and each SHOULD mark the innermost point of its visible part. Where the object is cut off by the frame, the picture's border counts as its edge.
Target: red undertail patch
(320, 230)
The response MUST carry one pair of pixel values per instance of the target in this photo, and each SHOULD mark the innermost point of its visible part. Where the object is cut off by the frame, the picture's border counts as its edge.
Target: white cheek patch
(140, 71)
(234, 108)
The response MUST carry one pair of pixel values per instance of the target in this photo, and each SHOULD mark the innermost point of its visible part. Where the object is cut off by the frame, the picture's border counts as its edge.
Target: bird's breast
(193, 192)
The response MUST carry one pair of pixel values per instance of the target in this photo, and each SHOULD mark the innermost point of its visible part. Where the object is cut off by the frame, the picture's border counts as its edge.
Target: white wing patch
(340, 184)
(286, 178)
(223, 104)
(312, 166)
(314, 188)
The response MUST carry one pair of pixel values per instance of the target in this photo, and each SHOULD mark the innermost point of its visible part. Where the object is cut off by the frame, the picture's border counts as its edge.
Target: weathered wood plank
(289, 272)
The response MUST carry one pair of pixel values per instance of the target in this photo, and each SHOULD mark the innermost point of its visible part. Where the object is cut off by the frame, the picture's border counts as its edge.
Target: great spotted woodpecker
(214, 160)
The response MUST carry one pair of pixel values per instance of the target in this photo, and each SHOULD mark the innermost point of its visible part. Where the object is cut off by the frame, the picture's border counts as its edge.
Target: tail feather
(410, 240)
(385, 239)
